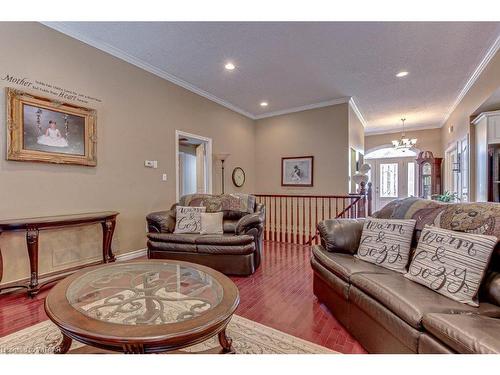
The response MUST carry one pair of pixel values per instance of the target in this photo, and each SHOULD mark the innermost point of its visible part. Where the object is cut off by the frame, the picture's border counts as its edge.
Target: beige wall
(321, 132)
(136, 121)
(481, 90)
(427, 140)
(356, 132)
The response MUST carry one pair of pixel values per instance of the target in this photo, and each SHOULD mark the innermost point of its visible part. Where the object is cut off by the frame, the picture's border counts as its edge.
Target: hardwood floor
(278, 295)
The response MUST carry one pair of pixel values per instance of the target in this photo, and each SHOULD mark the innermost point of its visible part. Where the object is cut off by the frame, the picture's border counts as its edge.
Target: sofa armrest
(247, 222)
(161, 221)
(341, 235)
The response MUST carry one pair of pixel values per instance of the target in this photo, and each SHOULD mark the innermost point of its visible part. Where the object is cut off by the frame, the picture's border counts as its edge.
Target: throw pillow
(211, 223)
(386, 242)
(188, 219)
(452, 263)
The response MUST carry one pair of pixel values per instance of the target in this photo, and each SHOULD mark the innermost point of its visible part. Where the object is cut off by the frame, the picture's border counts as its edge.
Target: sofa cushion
(408, 300)
(226, 249)
(173, 237)
(344, 265)
(452, 263)
(224, 239)
(210, 239)
(172, 246)
(377, 327)
(428, 344)
(386, 242)
(465, 333)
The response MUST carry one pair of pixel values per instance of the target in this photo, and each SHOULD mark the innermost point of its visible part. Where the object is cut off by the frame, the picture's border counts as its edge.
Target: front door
(392, 178)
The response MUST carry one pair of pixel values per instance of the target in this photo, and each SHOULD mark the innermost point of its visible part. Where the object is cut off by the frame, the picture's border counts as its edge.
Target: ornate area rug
(248, 337)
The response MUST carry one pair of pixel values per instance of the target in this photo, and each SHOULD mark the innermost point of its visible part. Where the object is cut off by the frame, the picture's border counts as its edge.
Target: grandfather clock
(429, 174)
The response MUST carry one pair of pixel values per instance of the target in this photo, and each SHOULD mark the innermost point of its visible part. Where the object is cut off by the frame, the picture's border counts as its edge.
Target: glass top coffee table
(148, 306)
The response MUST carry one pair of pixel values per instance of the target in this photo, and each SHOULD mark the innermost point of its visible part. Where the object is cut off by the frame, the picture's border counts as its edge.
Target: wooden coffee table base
(224, 340)
(149, 284)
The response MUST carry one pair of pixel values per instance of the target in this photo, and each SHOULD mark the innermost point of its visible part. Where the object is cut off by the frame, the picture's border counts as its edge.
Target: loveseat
(238, 251)
(386, 312)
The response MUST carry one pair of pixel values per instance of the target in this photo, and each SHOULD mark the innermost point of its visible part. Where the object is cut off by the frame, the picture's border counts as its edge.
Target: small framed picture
(45, 130)
(297, 171)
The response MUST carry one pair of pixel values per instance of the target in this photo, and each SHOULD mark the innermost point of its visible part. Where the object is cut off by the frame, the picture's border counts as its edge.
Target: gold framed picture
(45, 130)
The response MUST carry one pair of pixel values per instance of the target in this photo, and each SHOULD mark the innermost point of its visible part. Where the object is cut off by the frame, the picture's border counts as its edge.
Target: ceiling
(303, 65)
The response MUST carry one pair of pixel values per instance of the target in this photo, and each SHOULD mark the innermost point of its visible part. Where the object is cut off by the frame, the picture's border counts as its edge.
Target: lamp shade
(222, 156)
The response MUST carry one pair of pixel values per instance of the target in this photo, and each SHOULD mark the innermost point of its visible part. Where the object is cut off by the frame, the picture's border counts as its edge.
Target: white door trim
(448, 173)
(178, 135)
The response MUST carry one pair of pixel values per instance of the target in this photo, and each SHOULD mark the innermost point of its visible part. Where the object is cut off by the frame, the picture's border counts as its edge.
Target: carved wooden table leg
(32, 243)
(226, 343)
(64, 346)
(108, 227)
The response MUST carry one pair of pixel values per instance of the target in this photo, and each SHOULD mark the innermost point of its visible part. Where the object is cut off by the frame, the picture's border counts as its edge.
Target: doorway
(393, 175)
(193, 160)
(457, 169)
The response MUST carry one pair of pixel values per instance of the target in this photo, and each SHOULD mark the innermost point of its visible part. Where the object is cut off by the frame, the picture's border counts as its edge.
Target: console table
(32, 226)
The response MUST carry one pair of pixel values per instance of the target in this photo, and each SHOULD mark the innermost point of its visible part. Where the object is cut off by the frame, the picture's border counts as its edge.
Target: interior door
(392, 178)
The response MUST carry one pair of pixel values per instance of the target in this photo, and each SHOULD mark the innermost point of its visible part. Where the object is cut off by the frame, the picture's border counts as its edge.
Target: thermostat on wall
(151, 163)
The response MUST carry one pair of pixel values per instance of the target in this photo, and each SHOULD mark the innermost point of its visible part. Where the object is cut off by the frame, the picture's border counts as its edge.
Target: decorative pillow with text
(188, 219)
(452, 263)
(386, 242)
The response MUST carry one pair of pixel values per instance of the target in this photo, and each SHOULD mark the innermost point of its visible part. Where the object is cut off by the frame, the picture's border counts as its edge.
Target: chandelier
(404, 143)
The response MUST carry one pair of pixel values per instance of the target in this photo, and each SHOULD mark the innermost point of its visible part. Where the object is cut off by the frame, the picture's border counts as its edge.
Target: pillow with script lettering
(188, 219)
(452, 263)
(386, 242)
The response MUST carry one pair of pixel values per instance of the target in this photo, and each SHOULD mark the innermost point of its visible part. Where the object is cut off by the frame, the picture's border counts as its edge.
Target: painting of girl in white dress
(297, 171)
(53, 131)
(52, 137)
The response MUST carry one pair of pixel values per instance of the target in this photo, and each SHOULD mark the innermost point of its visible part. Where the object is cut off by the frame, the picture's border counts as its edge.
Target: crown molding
(355, 108)
(116, 52)
(188, 86)
(473, 78)
(482, 115)
(303, 108)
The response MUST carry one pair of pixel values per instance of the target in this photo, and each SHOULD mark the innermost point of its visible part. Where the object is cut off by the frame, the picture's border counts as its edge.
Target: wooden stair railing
(293, 218)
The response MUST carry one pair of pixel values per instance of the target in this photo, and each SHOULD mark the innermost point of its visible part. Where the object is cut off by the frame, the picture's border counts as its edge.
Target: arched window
(390, 152)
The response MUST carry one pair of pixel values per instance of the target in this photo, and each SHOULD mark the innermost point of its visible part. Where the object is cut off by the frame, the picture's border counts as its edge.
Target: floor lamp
(222, 157)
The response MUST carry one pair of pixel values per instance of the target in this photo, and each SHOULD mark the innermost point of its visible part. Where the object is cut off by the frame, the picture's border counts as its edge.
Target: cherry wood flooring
(278, 295)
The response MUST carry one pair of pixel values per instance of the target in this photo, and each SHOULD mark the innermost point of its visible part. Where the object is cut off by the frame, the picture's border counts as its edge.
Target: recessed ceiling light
(402, 74)
(264, 104)
(229, 66)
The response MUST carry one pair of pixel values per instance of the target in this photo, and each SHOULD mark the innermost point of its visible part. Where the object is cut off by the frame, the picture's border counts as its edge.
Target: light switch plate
(164, 177)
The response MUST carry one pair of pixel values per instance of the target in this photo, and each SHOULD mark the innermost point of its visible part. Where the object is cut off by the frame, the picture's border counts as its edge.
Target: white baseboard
(132, 255)
(119, 258)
